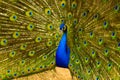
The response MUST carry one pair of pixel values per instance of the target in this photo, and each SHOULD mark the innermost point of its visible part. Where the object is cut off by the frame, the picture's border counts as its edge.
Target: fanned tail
(29, 36)
(95, 40)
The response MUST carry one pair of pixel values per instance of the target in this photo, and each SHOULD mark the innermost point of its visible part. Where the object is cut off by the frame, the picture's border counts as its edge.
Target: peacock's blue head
(63, 27)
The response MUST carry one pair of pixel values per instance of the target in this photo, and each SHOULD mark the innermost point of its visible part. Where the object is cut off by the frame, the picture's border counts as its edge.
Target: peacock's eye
(64, 28)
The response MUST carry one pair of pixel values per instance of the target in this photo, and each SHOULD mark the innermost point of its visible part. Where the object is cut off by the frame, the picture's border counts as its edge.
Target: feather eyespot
(63, 4)
(22, 62)
(29, 13)
(52, 63)
(100, 41)
(96, 16)
(117, 8)
(30, 27)
(113, 35)
(93, 53)
(16, 34)
(98, 64)
(106, 52)
(28, 69)
(85, 43)
(48, 11)
(78, 76)
(88, 71)
(23, 47)
(85, 13)
(31, 53)
(72, 57)
(91, 34)
(13, 17)
(118, 46)
(49, 43)
(15, 75)
(75, 21)
(77, 61)
(74, 4)
(22, 72)
(44, 57)
(41, 67)
(70, 15)
(86, 59)
(12, 53)
(38, 39)
(109, 66)
(70, 65)
(8, 71)
(4, 42)
(50, 26)
(80, 29)
(56, 36)
(105, 24)
(97, 78)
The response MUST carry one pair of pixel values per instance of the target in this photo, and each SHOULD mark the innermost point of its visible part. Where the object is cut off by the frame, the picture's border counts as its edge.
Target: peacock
(81, 35)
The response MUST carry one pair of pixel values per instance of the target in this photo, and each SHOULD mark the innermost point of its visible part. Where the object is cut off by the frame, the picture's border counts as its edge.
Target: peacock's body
(31, 40)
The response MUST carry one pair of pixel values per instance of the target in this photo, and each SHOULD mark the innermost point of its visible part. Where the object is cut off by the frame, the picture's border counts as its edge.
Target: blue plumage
(61, 26)
(63, 51)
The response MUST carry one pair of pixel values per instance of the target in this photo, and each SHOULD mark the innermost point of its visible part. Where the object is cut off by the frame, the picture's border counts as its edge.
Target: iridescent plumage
(31, 40)
(63, 51)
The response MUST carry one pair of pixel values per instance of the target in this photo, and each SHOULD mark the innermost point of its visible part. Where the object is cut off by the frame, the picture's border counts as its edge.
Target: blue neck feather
(63, 52)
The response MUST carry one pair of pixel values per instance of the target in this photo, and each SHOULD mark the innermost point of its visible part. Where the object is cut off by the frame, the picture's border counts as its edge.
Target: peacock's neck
(63, 41)
(63, 52)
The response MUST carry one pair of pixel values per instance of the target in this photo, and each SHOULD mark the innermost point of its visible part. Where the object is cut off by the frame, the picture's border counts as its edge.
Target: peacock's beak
(61, 32)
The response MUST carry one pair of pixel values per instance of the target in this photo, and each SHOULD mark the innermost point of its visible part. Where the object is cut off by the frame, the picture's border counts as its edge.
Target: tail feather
(94, 42)
(29, 36)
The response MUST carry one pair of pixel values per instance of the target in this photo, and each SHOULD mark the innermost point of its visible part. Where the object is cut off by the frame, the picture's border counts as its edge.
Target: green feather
(30, 35)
